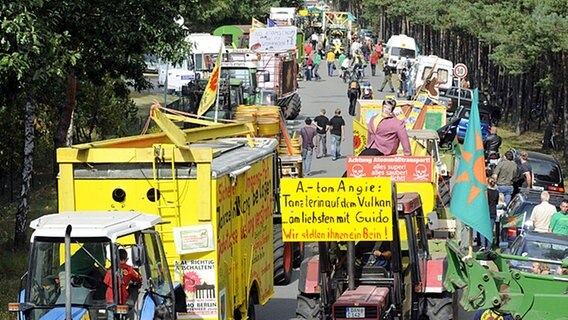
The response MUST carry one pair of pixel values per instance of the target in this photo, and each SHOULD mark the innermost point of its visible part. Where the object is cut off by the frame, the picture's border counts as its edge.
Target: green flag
(469, 195)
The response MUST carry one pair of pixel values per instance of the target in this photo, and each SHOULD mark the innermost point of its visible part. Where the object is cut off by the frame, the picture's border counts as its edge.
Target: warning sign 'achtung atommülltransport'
(336, 209)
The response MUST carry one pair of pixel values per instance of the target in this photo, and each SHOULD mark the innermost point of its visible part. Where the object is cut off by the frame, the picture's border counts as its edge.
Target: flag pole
(218, 85)
(470, 249)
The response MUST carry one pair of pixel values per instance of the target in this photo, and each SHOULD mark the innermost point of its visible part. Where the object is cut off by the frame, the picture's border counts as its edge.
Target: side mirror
(138, 258)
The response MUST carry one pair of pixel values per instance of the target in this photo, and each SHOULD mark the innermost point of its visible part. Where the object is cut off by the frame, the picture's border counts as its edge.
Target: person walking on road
(353, 93)
(330, 63)
(373, 60)
(504, 173)
(337, 131)
(307, 139)
(322, 123)
(315, 70)
(388, 78)
(542, 213)
(386, 133)
(559, 220)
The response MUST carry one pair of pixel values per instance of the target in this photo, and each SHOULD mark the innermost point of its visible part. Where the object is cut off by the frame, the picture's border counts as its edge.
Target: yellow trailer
(215, 195)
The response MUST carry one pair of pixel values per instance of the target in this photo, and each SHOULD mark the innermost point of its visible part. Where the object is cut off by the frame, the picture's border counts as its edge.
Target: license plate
(353, 312)
(538, 188)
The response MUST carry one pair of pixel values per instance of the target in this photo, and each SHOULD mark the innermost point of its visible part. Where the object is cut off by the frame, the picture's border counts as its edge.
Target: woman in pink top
(384, 137)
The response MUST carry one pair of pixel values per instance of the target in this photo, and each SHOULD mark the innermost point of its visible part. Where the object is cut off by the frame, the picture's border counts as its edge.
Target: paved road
(329, 93)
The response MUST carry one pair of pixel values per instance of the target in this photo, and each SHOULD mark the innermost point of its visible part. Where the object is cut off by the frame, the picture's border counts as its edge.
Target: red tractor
(342, 282)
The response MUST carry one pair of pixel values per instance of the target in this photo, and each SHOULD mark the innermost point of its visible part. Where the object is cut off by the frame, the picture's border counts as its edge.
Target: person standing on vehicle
(542, 213)
(388, 78)
(307, 138)
(353, 93)
(322, 123)
(385, 134)
(559, 220)
(337, 131)
(330, 62)
(504, 173)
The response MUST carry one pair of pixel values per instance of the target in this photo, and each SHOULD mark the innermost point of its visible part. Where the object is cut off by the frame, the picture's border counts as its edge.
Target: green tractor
(230, 96)
(269, 78)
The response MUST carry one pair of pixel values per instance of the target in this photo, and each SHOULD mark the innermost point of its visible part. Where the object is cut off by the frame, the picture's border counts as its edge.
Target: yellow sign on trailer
(337, 209)
(217, 200)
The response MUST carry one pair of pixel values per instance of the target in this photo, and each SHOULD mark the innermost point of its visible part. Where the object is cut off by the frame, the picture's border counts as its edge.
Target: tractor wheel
(293, 107)
(440, 307)
(251, 313)
(444, 195)
(299, 254)
(458, 311)
(308, 307)
(283, 258)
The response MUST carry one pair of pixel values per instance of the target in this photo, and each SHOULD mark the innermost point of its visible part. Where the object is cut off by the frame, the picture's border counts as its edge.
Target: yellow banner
(337, 209)
(210, 93)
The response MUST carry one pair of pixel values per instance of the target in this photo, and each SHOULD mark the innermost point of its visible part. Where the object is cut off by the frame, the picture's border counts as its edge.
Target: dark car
(547, 172)
(545, 246)
(520, 209)
(465, 97)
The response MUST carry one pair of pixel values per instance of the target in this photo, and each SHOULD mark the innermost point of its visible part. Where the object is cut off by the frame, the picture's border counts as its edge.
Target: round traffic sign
(460, 70)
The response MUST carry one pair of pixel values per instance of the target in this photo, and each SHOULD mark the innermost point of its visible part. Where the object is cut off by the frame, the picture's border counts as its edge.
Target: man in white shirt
(542, 213)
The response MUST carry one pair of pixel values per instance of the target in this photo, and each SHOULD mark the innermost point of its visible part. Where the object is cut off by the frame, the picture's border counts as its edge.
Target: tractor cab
(75, 271)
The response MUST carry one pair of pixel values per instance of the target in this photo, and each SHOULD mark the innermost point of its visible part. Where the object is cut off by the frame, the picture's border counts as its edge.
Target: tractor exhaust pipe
(68, 273)
(351, 265)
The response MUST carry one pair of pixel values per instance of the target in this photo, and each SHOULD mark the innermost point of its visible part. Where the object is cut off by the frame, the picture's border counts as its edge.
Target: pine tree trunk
(27, 175)
(62, 132)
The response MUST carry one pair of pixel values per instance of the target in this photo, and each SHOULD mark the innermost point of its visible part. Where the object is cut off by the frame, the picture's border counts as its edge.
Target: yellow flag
(257, 24)
(210, 93)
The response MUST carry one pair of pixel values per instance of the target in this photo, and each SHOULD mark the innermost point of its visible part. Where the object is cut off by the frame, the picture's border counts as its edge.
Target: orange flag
(210, 93)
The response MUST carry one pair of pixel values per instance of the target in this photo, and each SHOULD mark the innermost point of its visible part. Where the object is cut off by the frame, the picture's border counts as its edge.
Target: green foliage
(104, 111)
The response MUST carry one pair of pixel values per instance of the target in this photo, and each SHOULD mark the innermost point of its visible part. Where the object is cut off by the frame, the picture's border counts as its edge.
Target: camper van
(283, 16)
(428, 66)
(204, 51)
(399, 47)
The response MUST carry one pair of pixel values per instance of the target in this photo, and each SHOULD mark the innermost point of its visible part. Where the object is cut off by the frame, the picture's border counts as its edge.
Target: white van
(399, 47)
(423, 68)
(283, 16)
(204, 50)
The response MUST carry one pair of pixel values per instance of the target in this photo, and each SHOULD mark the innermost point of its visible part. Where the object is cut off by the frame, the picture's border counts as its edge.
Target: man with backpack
(353, 93)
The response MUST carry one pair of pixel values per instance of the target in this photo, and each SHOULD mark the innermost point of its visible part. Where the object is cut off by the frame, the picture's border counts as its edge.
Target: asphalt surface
(329, 93)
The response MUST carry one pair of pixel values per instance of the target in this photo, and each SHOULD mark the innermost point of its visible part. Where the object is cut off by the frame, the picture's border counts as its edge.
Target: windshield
(544, 250)
(442, 74)
(403, 52)
(47, 281)
(545, 170)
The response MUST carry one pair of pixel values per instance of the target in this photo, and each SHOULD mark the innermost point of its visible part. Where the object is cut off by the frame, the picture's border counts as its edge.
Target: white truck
(283, 16)
(430, 66)
(204, 50)
(399, 47)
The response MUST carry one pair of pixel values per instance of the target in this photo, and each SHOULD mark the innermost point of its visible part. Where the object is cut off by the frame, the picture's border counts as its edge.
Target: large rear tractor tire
(439, 308)
(283, 258)
(292, 110)
(308, 307)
